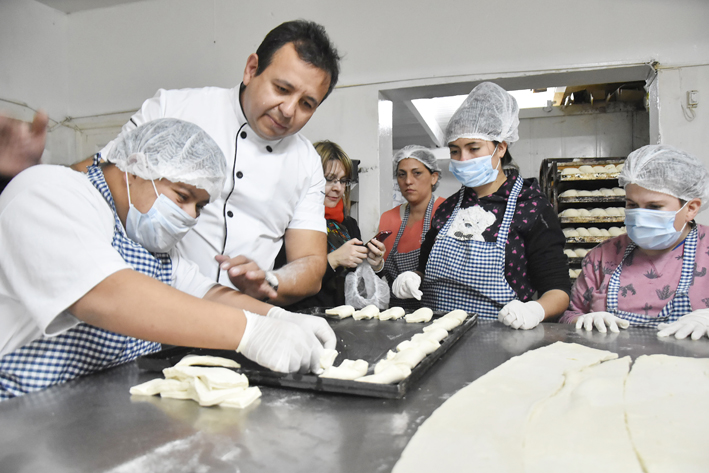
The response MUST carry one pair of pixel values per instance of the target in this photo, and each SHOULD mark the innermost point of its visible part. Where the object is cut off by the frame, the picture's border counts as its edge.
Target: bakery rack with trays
(557, 176)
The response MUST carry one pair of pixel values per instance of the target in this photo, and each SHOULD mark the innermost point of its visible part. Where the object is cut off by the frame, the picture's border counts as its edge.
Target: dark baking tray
(369, 340)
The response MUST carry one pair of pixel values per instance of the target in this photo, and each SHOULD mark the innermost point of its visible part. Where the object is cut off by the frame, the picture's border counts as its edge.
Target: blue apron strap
(504, 230)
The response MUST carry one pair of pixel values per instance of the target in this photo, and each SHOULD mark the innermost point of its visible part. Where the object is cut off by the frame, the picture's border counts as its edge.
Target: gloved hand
(279, 345)
(310, 323)
(406, 285)
(696, 323)
(524, 315)
(601, 320)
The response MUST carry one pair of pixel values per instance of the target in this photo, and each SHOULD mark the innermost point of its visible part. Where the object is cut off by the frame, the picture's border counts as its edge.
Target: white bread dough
(457, 314)
(570, 213)
(348, 369)
(584, 213)
(586, 169)
(585, 193)
(581, 252)
(618, 191)
(569, 193)
(342, 311)
(367, 312)
(599, 168)
(583, 231)
(598, 212)
(423, 314)
(392, 313)
(192, 360)
(567, 171)
(392, 374)
(428, 346)
(327, 358)
(570, 253)
(594, 231)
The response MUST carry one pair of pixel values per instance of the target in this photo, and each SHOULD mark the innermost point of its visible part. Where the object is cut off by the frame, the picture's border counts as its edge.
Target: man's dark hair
(311, 43)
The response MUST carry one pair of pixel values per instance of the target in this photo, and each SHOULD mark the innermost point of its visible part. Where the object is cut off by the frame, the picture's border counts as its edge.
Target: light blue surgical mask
(652, 229)
(475, 172)
(162, 227)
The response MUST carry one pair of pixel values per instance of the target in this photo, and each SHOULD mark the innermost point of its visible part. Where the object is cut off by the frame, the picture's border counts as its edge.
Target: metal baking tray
(588, 239)
(592, 199)
(369, 340)
(613, 219)
(595, 176)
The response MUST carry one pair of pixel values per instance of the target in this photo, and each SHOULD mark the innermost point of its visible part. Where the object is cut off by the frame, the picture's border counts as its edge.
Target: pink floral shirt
(647, 283)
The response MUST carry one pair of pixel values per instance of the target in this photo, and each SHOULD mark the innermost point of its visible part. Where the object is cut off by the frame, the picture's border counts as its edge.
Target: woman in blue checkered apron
(417, 172)
(651, 277)
(89, 305)
(497, 241)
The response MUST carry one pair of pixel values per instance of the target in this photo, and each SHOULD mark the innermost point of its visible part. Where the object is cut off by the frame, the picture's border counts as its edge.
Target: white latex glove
(279, 345)
(310, 323)
(696, 323)
(601, 320)
(524, 315)
(406, 286)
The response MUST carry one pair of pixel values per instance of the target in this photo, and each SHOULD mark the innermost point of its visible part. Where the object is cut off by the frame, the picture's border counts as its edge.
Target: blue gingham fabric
(467, 274)
(84, 348)
(397, 263)
(679, 305)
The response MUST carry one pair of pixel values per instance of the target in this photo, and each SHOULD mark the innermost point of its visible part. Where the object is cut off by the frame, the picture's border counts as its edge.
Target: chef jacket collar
(268, 145)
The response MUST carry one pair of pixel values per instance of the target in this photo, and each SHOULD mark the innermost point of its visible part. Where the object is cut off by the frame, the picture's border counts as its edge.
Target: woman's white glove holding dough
(695, 323)
(406, 286)
(521, 315)
(279, 345)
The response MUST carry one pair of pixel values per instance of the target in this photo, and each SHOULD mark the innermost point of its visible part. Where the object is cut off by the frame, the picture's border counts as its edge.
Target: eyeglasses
(332, 182)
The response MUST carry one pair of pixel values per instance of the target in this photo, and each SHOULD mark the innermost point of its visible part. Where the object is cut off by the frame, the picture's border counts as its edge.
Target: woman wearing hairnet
(345, 248)
(89, 277)
(656, 275)
(498, 241)
(417, 172)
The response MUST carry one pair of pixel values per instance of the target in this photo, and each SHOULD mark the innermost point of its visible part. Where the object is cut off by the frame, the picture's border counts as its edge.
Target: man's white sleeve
(310, 211)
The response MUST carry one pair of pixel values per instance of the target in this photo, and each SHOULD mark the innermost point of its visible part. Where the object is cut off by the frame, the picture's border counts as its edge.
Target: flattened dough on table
(348, 369)
(467, 433)
(582, 428)
(666, 407)
(392, 374)
(207, 360)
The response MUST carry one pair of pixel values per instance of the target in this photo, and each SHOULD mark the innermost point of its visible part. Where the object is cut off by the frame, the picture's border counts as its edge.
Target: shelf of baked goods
(574, 273)
(573, 196)
(595, 215)
(589, 172)
(591, 234)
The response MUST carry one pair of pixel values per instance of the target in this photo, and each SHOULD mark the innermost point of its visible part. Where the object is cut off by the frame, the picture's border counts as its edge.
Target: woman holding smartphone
(344, 245)
(416, 171)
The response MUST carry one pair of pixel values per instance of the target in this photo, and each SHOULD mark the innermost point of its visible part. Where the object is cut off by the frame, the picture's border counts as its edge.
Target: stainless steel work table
(93, 425)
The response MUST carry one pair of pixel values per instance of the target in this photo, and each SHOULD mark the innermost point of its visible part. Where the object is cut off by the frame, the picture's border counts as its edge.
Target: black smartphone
(381, 236)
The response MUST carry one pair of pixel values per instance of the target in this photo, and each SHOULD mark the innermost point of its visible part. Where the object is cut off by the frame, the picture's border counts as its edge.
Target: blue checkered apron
(679, 305)
(470, 275)
(397, 263)
(84, 348)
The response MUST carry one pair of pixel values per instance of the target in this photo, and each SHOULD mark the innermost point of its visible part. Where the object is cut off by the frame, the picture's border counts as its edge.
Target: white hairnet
(666, 169)
(171, 149)
(488, 113)
(421, 154)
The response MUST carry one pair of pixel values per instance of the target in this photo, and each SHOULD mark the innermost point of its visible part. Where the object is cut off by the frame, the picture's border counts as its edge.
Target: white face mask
(162, 227)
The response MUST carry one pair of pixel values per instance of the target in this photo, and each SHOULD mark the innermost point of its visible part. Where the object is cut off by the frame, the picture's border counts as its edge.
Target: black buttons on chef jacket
(269, 149)
(239, 174)
(243, 134)
(229, 213)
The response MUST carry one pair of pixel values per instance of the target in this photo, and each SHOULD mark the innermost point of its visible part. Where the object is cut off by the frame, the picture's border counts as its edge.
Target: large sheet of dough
(667, 409)
(482, 427)
(582, 427)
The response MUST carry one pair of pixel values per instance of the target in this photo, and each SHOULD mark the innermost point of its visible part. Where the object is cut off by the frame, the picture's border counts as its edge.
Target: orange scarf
(336, 213)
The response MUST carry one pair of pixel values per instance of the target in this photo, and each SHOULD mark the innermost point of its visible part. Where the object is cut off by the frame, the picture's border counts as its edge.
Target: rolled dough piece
(581, 252)
(327, 358)
(366, 312)
(410, 357)
(206, 360)
(666, 412)
(585, 193)
(584, 213)
(607, 192)
(586, 169)
(392, 374)
(342, 311)
(598, 212)
(619, 167)
(599, 168)
(613, 212)
(615, 231)
(457, 314)
(596, 193)
(154, 386)
(446, 324)
(348, 369)
(570, 253)
(428, 346)
(586, 419)
(434, 333)
(583, 231)
(605, 232)
(392, 313)
(482, 426)
(594, 231)
(212, 377)
(618, 191)
(621, 210)
(609, 168)
(423, 314)
(569, 193)
(567, 171)
(570, 213)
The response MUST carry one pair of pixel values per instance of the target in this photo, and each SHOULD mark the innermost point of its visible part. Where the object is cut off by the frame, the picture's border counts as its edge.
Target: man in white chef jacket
(275, 185)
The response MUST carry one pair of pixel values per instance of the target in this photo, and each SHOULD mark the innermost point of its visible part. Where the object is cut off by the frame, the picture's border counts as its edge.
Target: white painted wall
(114, 58)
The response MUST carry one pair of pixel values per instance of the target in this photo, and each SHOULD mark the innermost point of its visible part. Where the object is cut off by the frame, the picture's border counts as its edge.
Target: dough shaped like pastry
(446, 324)
(457, 314)
(594, 231)
(583, 231)
(409, 357)
(367, 312)
(605, 232)
(423, 314)
(599, 168)
(206, 360)
(615, 231)
(569, 193)
(619, 167)
(607, 192)
(618, 191)
(585, 193)
(581, 252)
(613, 212)
(327, 358)
(598, 213)
(584, 213)
(154, 386)
(428, 346)
(342, 311)
(570, 253)
(570, 213)
(348, 369)
(392, 313)
(213, 377)
(621, 210)
(392, 374)
(586, 169)
(596, 193)
(567, 171)
(609, 168)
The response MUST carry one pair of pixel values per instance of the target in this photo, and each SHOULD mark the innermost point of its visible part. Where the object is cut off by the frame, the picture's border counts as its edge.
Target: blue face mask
(652, 229)
(475, 172)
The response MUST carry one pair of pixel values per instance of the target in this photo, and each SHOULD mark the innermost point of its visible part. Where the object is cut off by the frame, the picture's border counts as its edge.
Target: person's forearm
(299, 279)
(554, 302)
(228, 296)
(130, 303)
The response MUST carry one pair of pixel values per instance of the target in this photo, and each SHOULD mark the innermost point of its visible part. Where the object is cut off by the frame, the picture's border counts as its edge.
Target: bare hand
(246, 276)
(21, 143)
(349, 255)
(376, 253)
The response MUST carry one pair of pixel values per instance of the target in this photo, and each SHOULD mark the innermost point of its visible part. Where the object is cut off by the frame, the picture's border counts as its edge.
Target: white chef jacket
(271, 186)
(56, 231)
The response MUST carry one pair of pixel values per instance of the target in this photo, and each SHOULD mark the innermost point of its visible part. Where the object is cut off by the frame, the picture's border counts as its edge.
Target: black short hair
(311, 43)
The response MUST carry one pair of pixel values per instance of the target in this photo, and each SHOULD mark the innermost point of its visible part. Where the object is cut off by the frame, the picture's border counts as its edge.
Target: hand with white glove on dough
(521, 315)
(406, 286)
(310, 323)
(280, 345)
(601, 320)
(695, 323)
